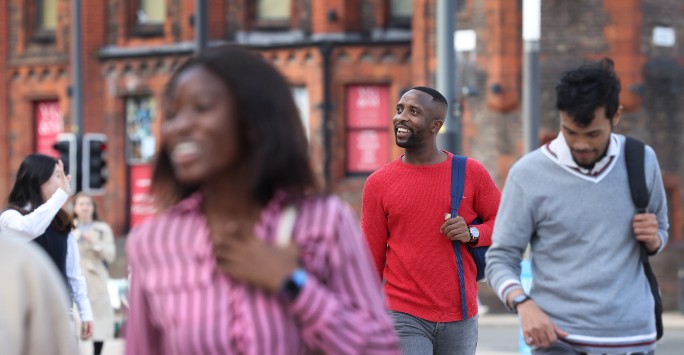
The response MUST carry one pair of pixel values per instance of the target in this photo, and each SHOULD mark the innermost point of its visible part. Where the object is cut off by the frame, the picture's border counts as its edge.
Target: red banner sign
(49, 124)
(368, 106)
(368, 123)
(141, 201)
(368, 150)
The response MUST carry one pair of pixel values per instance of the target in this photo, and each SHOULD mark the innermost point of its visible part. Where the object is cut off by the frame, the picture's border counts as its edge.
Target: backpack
(634, 157)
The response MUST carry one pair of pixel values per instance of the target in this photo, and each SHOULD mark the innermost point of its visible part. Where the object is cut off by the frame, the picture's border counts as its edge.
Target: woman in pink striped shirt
(207, 275)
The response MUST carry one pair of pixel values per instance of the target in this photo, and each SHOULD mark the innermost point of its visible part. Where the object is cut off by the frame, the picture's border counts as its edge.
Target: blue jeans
(420, 337)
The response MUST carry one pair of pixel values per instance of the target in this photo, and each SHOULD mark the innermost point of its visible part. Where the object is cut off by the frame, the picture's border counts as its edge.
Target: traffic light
(67, 146)
(94, 163)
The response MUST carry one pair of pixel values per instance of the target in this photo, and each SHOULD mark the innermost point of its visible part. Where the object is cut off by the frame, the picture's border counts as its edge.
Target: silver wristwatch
(474, 235)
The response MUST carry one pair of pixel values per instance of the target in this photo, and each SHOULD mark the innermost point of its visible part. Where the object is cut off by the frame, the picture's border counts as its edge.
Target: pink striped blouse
(180, 303)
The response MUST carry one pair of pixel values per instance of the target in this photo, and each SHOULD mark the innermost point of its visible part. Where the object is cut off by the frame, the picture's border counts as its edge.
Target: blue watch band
(294, 284)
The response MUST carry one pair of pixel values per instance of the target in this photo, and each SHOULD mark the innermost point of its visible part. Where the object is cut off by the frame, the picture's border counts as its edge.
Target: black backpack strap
(634, 158)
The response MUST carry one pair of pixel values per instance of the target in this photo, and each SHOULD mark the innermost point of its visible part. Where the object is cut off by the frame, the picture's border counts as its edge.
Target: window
(272, 14)
(400, 12)
(270, 10)
(149, 16)
(368, 121)
(47, 15)
(140, 140)
(42, 15)
(401, 8)
(151, 12)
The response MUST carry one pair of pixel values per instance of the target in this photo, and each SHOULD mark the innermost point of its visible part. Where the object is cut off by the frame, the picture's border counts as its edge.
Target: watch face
(475, 232)
(519, 298)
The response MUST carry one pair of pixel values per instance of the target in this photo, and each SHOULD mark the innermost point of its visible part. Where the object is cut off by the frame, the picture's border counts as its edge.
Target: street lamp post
(530, 105)
(449, 138)
(76, 65)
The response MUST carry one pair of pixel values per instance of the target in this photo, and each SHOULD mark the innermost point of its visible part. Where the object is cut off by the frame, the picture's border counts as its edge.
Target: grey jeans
(419, 336)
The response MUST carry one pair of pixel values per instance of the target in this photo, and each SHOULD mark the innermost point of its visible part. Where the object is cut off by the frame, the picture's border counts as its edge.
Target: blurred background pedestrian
(35, 213)
(97, 249)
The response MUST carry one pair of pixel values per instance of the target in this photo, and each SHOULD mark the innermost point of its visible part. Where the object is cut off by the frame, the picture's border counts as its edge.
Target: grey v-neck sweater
(585, 258)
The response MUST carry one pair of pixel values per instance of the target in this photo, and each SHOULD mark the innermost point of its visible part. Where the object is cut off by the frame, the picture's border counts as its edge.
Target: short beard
(413, 142)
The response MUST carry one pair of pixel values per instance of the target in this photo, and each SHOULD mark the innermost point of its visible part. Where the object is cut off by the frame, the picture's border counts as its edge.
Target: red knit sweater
(403, 208)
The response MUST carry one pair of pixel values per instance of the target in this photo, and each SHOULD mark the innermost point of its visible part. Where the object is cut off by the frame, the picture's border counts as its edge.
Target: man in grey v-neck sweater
(570, 200)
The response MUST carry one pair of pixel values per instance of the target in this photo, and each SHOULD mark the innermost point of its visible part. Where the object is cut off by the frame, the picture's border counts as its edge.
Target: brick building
(348, 62)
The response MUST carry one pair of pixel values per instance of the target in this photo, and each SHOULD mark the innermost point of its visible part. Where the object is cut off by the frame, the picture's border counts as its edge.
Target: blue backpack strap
(458, 164)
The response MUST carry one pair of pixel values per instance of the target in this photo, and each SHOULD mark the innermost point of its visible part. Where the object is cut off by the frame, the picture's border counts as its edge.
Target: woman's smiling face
(200, 131)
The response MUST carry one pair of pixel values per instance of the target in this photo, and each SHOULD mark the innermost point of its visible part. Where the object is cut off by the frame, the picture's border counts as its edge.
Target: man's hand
(645, 226)
(537, 328)
(455, 228)
(86, 330)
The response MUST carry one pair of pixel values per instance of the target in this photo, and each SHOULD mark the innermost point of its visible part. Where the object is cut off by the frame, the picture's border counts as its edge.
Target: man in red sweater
(403, 216)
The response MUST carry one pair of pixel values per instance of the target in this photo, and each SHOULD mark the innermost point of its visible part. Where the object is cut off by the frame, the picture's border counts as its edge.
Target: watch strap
(518, 300)
(293, 285)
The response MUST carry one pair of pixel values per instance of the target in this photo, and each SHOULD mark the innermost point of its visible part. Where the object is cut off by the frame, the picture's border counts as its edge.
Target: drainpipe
(326, 52)
(76, 69)
(201, 23)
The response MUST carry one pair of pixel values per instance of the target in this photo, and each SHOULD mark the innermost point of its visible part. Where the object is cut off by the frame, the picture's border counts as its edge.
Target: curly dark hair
(581, 91)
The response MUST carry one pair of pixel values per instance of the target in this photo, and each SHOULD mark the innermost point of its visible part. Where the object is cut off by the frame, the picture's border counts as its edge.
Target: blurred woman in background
(35, 213)
(96, 244)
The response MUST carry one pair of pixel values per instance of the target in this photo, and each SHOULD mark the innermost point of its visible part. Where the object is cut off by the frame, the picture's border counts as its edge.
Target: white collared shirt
(559, 151)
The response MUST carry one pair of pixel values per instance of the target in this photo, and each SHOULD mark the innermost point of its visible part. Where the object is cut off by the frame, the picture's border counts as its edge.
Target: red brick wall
(623, 35)
(92, 37)
(504, 54)
(348, 13)
(423, 42)
(217, 18)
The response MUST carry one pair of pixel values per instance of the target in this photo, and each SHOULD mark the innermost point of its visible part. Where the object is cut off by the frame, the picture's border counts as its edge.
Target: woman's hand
(248, 259)
(88, 236)
(86, 330)
(65, 180)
